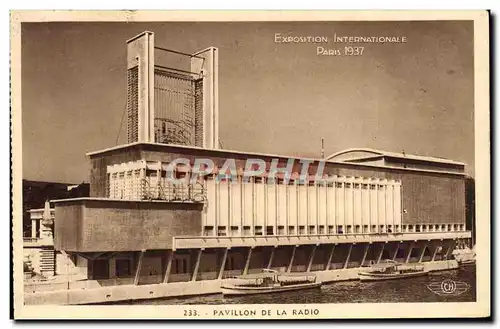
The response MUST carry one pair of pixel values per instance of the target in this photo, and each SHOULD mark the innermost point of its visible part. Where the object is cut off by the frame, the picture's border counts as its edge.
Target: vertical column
(197, 265)
(296, 186)
(348, 256)
(247, 263)
(394, 213)
(361, 207)
(396, 252)
(369, 182)
(242, 201)
(266, 206)
(317, 212)
(289, 269)
(270, 263)
(140, 54)
(223, 264)
(306, 185)
(365, 254)
(311, 258)
(327, 205)
(170, 258)
(33, 228)
(230, 207)
(254, 204)
(381, 253)
(216, 203)
(330, 258)
(138, 269)
(112, 267)
(434, 253)
(276, 198)
(344, 201)
(377, 219)
(409, 252)
(142, 179)
(423, 253)
(385, 205)
(159, 182)
(207, 63)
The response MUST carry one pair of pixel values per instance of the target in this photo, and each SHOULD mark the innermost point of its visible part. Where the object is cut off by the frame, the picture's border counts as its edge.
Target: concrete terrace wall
(89, 225)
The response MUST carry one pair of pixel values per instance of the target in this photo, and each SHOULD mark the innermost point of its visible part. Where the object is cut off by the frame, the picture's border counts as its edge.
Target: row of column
(248, 257)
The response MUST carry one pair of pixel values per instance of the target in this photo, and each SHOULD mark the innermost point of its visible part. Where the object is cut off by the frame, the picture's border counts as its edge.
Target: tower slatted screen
(133, 104)
(178, 108)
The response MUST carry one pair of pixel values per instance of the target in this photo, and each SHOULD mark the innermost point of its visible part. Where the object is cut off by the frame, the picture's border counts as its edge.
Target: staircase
(47, 262)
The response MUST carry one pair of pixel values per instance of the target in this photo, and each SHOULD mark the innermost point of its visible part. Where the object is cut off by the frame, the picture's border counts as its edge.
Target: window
(246, 231)
(340, 229)
(331, 229)
(234, 230)
(291, 230)
(396, 228)
(449, 227)
(417, 228)
(405, 228)
(281, 230)
(258, 230)
(455, 228)
(221, 231)
(321, 229)
(374, 228)
(123, 268)
(312, 229)
(349, 229)
(208, 230)
(382, 229)
(389, 228)
(410, 228)
(443, 227)
(357, 228)
(424, 228)
(302, 230)
(269, 230)
(365, 229)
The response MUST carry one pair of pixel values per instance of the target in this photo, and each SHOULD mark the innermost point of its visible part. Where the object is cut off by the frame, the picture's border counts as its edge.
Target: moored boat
(269, 281)
(391, 270)
(465, 256)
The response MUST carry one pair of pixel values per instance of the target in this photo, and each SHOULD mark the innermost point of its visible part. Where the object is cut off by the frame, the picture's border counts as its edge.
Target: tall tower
(171, 105)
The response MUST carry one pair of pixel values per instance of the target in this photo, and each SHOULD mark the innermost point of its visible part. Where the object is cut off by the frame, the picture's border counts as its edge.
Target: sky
(416, 97)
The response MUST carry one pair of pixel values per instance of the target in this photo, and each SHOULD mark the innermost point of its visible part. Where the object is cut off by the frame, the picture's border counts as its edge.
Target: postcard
(250, 164)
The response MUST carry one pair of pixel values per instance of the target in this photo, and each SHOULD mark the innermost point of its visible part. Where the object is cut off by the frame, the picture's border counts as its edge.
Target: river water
(405, 290)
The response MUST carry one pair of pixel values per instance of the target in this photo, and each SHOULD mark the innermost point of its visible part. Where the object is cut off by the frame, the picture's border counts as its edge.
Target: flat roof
(174, 147)
(118, 200)
(395, 155)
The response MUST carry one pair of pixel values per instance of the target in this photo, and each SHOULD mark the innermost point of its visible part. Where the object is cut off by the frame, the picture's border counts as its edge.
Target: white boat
(391, 270)
(464, 255)
(269, 281)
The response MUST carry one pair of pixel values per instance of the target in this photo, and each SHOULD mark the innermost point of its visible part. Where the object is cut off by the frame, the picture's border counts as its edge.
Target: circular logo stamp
(448, 286)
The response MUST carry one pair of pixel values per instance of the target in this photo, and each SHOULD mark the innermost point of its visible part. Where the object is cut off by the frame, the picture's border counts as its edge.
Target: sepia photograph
(240, 165)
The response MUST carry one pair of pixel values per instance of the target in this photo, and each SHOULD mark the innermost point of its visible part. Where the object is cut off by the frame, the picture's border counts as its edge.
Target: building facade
(171, 206)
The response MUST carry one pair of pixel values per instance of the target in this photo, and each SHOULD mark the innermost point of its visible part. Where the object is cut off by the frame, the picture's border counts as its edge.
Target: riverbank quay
(123, 293)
